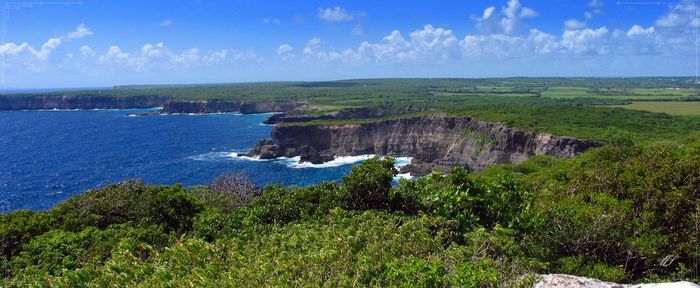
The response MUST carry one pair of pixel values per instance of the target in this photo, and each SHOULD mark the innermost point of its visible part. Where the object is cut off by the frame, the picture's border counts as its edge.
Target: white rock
(561, 280)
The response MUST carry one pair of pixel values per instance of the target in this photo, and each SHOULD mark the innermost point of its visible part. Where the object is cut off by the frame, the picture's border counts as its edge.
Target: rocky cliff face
(219, 106)
(30, 102)
(434, 142)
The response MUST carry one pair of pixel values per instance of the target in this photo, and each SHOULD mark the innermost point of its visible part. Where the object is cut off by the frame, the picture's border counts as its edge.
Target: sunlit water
(48, 156)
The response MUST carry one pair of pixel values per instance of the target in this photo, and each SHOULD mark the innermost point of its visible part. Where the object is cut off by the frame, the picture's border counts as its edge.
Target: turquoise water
(48, 156)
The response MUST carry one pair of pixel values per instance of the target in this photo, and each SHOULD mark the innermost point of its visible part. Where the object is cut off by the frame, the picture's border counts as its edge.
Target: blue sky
(104, 43)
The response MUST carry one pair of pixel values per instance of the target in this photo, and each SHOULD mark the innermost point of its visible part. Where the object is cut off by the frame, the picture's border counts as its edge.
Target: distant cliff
(48, 102)
(219, 106)
(31, 102)
(434, 142)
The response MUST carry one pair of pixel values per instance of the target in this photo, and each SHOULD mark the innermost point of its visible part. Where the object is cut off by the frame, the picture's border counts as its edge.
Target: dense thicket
(622, 213)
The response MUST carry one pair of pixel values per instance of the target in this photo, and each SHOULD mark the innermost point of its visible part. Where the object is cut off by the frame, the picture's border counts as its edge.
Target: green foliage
(624, 214)
(369, 184)
(470, 202)
(129, 201)
(276, 205)
(617, 137)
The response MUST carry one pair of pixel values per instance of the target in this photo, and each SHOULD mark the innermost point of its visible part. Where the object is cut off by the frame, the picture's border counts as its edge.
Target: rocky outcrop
(561, 280)
(221, 106)
(201, 107)
(48, 102)
(434, 142)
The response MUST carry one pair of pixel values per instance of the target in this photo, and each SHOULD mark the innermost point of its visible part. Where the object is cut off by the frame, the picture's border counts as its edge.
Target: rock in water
(561, 280)
(309, 154)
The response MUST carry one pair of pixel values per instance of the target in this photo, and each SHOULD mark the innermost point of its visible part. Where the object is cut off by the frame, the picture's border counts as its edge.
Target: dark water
(48, 156)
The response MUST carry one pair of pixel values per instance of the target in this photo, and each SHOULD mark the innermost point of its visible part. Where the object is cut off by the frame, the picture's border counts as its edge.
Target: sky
(103, 43)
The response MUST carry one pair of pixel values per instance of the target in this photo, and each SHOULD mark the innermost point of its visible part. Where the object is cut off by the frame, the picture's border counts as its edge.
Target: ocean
(49, 156)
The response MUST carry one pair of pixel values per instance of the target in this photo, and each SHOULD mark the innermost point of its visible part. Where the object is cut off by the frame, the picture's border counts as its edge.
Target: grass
(672, 108)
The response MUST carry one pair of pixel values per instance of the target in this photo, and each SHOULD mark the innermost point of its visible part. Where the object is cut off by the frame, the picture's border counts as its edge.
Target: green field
(673, 108)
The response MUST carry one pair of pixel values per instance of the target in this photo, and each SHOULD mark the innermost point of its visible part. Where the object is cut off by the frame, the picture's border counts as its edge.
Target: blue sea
(49, 156)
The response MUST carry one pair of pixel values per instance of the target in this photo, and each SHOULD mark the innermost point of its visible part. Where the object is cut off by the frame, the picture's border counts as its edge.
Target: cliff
(48, 102)
(219, 106)
(31, 102)
(434, 142)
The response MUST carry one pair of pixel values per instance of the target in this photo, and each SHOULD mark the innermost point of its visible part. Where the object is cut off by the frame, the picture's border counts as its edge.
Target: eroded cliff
(220, 106)
(434, 142)
(31, 102)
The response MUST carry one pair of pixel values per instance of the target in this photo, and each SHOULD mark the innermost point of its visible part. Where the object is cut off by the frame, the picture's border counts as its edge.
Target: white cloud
(488, 12)
(14, 49)
(595, 3)
(507, 20)
(284, 49)
(637, 30)
(151, 50)
(573, 24)
(48, 47)
(312, 45)
(246, 56)
(114, 54)
(80, 32)
(585, 41)
(681, 16)
(166, 23)
(275, 21)
(335, 14)
(528, 13)
(86, 51)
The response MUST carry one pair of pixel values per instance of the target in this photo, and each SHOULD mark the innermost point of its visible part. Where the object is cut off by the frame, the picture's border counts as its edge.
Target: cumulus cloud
(488, 12)
(679, 16)
(312, 45)
(87, 51)
(284, 50)
(114, 54)
(573, 24)
(637, 30)
(585, 41)
(154, 56)
(80, 32)
(505, 21)
(47, 48)
(335, 14)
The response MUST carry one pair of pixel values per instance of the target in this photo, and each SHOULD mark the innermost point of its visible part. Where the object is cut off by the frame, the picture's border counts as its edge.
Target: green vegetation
(673, 108)
(625, 213)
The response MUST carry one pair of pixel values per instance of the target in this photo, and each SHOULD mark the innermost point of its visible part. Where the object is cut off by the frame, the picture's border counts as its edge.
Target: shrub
(472, 203)
(369, 183)
(228, 191)
(130, 201)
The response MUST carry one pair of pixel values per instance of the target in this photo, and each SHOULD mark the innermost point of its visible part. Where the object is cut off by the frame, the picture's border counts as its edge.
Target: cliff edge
(434, 142)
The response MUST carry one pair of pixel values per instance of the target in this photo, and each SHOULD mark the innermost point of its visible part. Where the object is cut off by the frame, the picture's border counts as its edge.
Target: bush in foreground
(621, 214)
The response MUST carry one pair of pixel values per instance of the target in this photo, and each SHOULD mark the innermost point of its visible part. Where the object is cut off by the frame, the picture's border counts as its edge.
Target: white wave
(226, 155)
(402, 161)
(406, 176)
(338, 161)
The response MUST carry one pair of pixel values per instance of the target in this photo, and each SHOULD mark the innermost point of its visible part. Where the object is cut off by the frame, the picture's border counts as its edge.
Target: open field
(673, 108)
